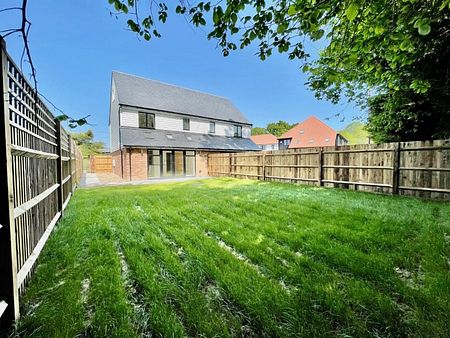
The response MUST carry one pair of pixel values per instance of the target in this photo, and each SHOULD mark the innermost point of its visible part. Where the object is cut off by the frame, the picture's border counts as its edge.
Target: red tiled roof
(310, 133)
(264, 139)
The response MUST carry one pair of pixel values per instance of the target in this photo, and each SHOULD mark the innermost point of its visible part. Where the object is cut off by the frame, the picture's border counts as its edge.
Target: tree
(22, 31)
(371, 48)
(85, 140)
(355, 133)
(259, 131)
(278, 128)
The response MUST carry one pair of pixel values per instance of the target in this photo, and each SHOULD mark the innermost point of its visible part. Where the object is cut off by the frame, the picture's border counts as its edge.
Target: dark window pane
(146, 120)
(186, 124)
(212, 127)
(237, 131)
(151, 121)
(142, 120)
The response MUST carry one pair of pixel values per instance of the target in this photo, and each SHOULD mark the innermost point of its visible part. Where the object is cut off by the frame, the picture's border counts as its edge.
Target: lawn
(226, 257)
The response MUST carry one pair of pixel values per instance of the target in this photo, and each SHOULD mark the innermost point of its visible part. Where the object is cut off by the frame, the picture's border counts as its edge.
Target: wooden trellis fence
(40, 167)
(408, 168)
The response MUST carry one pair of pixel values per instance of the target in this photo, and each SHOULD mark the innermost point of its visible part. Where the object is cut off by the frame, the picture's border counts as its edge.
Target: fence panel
(36, 181)
(100, 164)
(420, 168)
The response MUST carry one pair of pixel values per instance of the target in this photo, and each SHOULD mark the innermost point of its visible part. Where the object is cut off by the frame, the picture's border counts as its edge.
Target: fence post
(319, 180)
(264, 166)
(9, 292)
(396, 168)
(59, 167)
(70, 162)
(231, 164)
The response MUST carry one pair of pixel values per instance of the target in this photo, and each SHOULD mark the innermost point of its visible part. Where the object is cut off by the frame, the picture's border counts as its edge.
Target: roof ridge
(171, 85)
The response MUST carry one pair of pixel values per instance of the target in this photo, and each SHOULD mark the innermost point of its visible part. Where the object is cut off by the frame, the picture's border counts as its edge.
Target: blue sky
(75, 48)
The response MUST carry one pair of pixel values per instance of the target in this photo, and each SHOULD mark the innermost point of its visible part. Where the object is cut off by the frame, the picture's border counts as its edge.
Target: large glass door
(170, 163)
(154, 164)
(179, 163)
(189, 160)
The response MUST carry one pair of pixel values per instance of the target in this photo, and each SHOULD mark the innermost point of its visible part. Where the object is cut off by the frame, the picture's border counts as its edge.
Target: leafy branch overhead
(367, 43)
(73, 123)
(23, 31)
(367, 48)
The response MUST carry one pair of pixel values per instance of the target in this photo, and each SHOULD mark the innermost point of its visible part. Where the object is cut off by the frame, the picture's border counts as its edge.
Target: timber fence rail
(419, 168)
(40, 168)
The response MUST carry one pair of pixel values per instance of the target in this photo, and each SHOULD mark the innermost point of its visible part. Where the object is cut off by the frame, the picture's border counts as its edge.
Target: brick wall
(117, 165)
(137, 161)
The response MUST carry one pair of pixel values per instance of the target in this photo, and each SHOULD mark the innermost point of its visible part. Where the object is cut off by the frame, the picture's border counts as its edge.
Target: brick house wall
(117, 163)
(137, 157)
(139, 165)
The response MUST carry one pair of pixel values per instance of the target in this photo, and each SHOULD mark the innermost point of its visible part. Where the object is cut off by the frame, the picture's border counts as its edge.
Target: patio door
(154, 164)
(168, 163)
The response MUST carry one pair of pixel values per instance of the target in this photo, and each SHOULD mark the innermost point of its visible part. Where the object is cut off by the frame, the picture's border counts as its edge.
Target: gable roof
(264, 139)
(311, 133)
(144, 93)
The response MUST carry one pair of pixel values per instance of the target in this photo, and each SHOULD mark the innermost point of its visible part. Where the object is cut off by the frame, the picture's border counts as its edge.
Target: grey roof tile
(154, 138)
(137, 91)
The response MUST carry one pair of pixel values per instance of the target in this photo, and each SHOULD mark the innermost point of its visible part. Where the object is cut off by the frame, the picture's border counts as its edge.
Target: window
(186, 124)
(284, 143)
(146, 120)
(212, 127)
(237, 131)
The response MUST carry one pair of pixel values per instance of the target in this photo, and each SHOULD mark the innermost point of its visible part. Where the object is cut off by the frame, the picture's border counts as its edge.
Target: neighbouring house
(265, 141)
(159, 130)
(311, 133)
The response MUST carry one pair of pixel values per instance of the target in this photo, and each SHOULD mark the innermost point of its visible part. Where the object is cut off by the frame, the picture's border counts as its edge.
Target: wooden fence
(100, 164)
(39, 168)
(408, 168)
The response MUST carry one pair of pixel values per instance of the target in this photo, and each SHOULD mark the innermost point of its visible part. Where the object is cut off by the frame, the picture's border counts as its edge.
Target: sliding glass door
(179, 163)
(171, 163)
(154, 164)
(168, 162)
(189, 163)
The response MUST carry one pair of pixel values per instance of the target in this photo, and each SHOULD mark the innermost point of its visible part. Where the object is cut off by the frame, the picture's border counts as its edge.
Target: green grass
(225, 257)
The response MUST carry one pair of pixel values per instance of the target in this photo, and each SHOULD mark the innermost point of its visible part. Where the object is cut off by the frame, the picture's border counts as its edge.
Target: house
(311, 133)
(265, 141)
(159, 130)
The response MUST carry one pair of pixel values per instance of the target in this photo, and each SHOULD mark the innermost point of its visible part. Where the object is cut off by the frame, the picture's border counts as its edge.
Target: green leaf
(292, 10)
(423, 26)
(424, 29)
(352, 11)
(62, 117)
(379, 30)
(282, 28)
